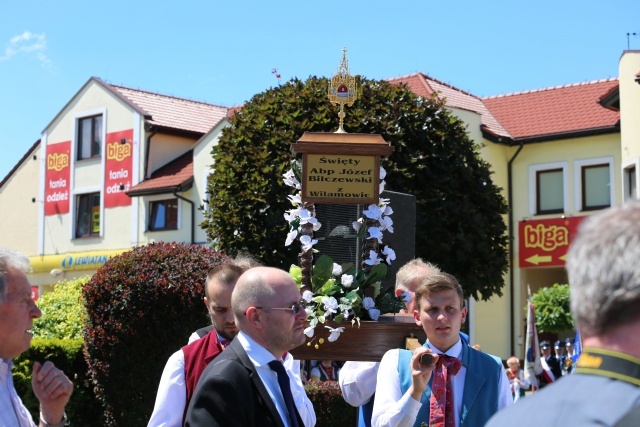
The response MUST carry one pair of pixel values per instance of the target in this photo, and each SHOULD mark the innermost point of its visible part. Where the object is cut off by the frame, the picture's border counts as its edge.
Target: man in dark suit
(552, 363)
(246, 385)
(561, 355)
(604, 280)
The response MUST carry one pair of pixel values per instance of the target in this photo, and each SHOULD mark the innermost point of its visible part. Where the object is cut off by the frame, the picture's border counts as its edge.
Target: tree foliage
(63, 312)
(459, 224)
(553, 309)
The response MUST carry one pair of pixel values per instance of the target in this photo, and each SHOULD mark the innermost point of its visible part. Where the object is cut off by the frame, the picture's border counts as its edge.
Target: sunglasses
(294, 309)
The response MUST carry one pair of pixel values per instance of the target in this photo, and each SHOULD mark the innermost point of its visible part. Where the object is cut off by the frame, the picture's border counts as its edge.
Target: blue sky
(224, 52)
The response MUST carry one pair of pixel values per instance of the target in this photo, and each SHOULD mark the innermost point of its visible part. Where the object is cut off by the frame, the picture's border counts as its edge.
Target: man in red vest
(184, 367)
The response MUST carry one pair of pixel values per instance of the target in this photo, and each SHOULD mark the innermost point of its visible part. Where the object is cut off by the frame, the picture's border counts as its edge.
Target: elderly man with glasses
(247, 384)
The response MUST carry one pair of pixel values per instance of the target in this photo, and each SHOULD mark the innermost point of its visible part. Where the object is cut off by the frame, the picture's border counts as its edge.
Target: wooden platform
(367, 343)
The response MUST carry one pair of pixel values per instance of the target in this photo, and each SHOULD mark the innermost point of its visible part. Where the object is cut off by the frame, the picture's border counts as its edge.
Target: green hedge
(83, 409)
(330, 408)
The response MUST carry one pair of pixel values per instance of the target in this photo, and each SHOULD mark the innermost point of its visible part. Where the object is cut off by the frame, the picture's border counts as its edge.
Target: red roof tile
(176, 175)
(425, 86)
(557, 110)
(176, 113)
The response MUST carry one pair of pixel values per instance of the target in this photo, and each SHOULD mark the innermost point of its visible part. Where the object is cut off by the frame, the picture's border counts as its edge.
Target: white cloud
(30, 44)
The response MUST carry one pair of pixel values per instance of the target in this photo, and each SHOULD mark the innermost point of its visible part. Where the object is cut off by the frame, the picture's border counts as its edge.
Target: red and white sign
(57, 176)
(118, 168)
(544, 243)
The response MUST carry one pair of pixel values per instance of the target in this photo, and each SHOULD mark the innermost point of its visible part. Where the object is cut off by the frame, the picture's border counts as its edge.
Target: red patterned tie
(441, 403)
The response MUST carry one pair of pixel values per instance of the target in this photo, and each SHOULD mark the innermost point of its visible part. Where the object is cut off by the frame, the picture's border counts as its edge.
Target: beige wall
(18, 211)
(629, 67)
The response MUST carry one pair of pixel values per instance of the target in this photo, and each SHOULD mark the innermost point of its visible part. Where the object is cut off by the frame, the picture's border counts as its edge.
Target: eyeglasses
(294, 309)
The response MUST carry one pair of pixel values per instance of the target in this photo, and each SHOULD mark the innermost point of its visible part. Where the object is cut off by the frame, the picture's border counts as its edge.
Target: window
(595, 187)
(594, 184)
(549, 196)
(89, 137)
(88, 215)
(548, 188)
(630, 179)
(163, 215)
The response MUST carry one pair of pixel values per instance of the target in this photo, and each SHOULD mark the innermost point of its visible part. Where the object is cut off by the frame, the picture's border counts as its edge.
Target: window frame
(534, 196)
(76, 215)
(150, 213)
(78, 134)
(579, 168)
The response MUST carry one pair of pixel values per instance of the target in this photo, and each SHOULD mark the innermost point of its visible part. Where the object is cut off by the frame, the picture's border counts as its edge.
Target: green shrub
(83, 408)
(330, 407)
(63, 312)
(553, 310)
(142, 306)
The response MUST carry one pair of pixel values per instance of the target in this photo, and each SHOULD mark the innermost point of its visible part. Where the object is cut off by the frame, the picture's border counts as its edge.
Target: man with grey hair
(604, 281)
(17, 312)
(247, 384)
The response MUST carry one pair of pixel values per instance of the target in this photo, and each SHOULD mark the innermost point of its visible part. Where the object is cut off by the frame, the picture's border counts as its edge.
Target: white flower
(337, 269)
(373, 258)
(374, 313)
(356, 225)
(382, 184)
(346, 280)
(372, 212)
(307, 243)
(290, 180)
(309, 331)
(383, 173)
(386, 223)
(374, 233)
(306, 217)
(334, 333)
(296, 199)
(316, 226)
(291, 236)
(309, 311)
(368, 303)
(307, 296)
(387, 210)
(330, 305)
(291, 215)
(389, 253)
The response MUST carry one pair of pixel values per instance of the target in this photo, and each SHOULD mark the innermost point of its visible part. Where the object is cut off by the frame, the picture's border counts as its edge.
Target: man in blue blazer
(404, 394)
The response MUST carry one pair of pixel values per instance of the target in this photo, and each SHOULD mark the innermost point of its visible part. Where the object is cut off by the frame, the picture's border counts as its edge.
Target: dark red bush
(142, 306)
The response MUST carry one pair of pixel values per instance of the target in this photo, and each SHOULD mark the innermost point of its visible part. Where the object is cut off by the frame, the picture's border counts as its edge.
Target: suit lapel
(262, 394)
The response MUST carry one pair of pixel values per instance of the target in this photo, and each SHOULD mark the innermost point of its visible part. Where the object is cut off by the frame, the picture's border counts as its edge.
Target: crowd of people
(239, 371)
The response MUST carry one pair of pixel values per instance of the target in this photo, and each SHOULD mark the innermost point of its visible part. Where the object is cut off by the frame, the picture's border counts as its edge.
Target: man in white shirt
(17, 312)
(407, 394)
(247, 384)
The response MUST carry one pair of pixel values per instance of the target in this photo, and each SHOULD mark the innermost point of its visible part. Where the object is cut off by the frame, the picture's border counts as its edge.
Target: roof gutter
(511, 250)
(147, 149)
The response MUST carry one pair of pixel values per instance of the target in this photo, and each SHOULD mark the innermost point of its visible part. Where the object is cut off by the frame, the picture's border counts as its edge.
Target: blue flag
(577, 348)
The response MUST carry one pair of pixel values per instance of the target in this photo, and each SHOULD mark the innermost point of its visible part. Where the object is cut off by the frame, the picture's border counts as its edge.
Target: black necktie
(285, 388)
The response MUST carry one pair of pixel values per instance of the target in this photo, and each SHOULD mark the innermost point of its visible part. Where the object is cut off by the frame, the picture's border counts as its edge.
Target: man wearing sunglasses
(247, 385)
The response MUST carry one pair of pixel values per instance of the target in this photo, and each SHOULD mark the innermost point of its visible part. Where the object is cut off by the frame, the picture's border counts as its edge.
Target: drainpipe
(193, 215)
(147, 149)
(511, 274)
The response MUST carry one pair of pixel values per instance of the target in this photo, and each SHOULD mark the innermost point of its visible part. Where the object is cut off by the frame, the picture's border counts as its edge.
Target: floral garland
(336, 294)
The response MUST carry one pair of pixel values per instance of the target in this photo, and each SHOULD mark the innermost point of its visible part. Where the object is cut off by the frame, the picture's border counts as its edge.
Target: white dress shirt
(171, 399)
(358, 381)
(13, 413)
(260, 357)
(393, 409)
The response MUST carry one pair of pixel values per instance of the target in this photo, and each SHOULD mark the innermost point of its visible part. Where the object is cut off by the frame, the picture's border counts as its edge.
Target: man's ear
(206, 302)
(464, 314)
(416, 317)
(254, 317)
